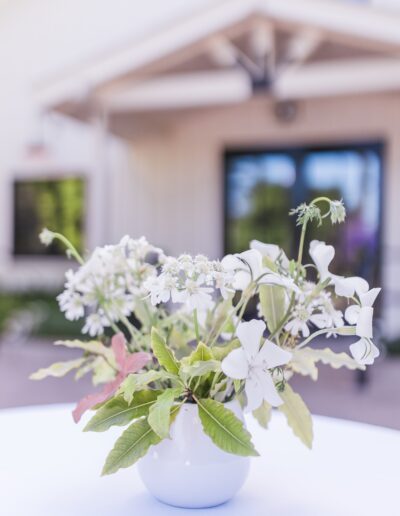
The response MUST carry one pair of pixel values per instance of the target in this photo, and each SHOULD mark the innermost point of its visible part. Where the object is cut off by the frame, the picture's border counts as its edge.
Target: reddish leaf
(127, 363)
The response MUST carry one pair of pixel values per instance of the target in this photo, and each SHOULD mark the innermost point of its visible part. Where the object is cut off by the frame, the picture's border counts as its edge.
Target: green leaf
(263, 414)
(201, 354)
(297, 414)
(102, 371)
(118, 412)
(224, 428)
(199, 369)
(131, 446)
(93, 346)
(304, 364)
(267, 262)
(137, 382)
(159, 414)
(58, 369)
(220, 352)
(273, 305)
(163, 353)
(329, 357)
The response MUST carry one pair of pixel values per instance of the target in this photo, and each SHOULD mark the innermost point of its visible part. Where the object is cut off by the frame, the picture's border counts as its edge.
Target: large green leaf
(297, 414)
(159, 414)
(273, 305)
(263, 414)
(224, 428)
(58, 369)
(220, 352)
(163, 353)
(92, 346)
(137, 382)
(131, 446)
(201, 354)
(118, 412)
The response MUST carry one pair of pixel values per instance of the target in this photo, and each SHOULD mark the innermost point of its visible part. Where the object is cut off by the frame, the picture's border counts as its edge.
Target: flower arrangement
(167, 331)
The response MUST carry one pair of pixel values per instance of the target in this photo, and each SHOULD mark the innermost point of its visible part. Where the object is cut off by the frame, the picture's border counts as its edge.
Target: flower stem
(196, 325)
(70, 247)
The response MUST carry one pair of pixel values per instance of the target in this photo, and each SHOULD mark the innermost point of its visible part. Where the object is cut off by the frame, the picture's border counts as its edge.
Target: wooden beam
(339, 78)
(180, 91)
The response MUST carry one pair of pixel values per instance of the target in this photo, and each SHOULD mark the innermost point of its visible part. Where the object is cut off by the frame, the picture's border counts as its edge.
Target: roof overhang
(312, 48)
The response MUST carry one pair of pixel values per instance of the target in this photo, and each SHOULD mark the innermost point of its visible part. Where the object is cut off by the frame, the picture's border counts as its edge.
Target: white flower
(162, 288)
(271, 251)
(94, 325)
(364, 351)
(361, 315)
(248, 267)
(196, 296)
(252, 364)
(337, 211)
(299, 322)
(322, 255)
(72, 305)
(46, 236)
(109, 283)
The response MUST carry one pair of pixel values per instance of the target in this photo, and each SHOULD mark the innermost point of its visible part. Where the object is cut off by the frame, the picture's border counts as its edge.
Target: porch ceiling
(286, 49)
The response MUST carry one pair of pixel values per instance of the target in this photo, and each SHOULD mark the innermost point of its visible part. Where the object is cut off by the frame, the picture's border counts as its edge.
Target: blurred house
(199, 124)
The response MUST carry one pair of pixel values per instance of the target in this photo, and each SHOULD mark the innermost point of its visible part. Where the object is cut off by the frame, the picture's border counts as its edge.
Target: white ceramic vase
(189, 470)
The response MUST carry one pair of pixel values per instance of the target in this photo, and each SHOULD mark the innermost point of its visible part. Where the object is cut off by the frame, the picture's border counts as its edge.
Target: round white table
(48, 467)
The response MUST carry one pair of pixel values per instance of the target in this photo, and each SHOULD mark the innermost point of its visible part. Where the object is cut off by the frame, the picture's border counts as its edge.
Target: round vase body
(189, 470)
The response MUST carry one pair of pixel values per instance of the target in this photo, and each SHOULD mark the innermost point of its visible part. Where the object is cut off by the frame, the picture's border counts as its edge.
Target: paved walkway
(335, 394)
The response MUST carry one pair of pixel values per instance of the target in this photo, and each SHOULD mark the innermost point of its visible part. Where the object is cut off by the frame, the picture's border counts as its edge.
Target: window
(55, 204)
(261, 186)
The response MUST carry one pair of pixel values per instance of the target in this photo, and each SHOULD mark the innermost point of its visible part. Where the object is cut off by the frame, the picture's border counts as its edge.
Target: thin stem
(244, 299)
(316, 334)
(70, 247)
(196, 325)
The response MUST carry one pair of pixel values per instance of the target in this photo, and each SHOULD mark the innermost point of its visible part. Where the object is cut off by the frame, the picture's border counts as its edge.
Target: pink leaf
(135, 362)
(119, 349)
(92, 400)
(127, 363)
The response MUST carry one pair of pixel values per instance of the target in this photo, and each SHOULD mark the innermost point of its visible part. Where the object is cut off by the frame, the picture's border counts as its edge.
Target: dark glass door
(262, 185)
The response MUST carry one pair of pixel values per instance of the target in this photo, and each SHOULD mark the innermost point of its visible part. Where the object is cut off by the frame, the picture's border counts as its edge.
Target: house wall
(41, 40)
(175, 184)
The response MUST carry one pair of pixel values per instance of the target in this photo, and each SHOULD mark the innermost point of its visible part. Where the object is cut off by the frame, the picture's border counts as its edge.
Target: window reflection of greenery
(56, 204)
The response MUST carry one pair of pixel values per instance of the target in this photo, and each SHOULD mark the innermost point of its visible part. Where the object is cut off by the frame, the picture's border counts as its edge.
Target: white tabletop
(48, 467)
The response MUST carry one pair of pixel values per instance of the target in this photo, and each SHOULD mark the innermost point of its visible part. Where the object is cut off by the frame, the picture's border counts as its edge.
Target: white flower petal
(272, 251)
(364, 323)
(241, 280)
(346, 287)
(352, 314)
(242, 274)
(235, 365)
(269, 392)
(364, 352)
(230, 262)
(254, 260)
(254, 392)
(250, 333)
(368, 299)
(320, 320)
(322, 256)
(271, 355)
